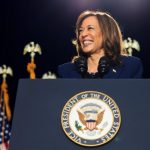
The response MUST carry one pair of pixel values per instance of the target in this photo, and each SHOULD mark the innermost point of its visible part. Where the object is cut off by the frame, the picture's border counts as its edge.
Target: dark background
(51, 23)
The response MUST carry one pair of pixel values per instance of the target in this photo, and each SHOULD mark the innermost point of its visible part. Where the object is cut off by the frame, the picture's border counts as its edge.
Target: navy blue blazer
(131, 67)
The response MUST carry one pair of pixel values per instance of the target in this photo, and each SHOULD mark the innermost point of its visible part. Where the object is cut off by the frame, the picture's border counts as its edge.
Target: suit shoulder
(66, 66)
(66, 70)
(132, 66)
(131, 60)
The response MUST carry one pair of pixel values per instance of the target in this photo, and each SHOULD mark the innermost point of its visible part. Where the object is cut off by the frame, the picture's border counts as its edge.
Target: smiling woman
(100, 51)
(90, 36)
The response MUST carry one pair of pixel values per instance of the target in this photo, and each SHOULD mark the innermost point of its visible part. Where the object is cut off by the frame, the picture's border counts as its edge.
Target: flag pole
(32, 48)
(4, 100)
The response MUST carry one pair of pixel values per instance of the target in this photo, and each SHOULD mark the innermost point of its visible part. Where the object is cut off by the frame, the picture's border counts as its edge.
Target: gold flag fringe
(4, 91)
(30, 68)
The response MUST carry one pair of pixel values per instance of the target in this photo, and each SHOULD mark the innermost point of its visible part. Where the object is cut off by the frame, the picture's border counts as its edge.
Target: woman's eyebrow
(90, 25)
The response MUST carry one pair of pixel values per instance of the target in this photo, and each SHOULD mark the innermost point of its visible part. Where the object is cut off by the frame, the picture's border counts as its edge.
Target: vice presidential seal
(91, 118)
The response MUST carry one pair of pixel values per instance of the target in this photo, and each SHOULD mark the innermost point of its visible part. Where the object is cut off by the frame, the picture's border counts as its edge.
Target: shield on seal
(91, 124)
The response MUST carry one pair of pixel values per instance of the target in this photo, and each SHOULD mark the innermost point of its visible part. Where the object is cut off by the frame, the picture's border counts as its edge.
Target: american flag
(4, 126)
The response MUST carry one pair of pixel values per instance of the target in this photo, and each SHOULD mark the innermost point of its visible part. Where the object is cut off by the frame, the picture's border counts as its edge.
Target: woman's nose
(84, 33)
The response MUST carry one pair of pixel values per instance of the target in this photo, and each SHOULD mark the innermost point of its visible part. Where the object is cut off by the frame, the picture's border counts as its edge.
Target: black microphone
(104, 65)
(81, 65)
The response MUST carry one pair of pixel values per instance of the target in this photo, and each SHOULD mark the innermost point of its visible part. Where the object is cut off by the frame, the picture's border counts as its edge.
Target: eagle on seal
(91, 121)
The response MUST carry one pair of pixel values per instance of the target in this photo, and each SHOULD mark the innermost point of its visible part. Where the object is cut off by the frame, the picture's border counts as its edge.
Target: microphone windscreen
(104, 65)
(81, 64)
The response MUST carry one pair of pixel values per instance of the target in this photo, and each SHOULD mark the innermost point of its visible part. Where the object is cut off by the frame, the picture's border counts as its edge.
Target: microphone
(103, 67)
(81, 65)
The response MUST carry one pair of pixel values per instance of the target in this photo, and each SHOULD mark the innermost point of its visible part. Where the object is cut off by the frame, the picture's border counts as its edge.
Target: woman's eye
(90, 28)
(80, 30)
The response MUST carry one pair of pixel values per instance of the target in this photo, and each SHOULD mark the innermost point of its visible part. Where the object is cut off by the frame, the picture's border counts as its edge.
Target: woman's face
(90, 35)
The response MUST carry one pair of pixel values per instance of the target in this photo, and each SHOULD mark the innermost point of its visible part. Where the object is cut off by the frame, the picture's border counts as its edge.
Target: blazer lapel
(113, 73)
